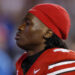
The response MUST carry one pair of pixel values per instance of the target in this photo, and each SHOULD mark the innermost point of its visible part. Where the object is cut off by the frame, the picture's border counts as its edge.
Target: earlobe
(48, 34)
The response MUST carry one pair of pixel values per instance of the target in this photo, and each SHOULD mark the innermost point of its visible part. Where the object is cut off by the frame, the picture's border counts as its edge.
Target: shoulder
(61, 53)
(61, 50)
(55, 55)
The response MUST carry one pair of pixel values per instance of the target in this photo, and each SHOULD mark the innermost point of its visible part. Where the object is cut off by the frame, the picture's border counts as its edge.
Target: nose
(21, 27)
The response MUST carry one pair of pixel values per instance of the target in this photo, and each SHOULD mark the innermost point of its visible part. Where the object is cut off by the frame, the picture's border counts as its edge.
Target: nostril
(19, 29)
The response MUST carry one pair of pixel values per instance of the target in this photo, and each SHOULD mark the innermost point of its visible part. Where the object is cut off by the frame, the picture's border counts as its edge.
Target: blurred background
(11, 13)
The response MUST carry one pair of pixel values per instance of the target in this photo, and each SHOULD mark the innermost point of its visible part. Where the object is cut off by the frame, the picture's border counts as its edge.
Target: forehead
(34, 20)
(36, 23)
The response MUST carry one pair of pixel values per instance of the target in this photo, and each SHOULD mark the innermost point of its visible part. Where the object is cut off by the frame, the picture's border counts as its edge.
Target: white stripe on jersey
(60, 64)
(62, 71)
(62, 50)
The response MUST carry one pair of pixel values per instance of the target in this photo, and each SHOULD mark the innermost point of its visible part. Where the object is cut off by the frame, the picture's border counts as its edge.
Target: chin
(22, 45)
(19, 44)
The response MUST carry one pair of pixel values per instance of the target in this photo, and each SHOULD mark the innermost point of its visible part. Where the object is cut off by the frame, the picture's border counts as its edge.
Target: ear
(48, 34)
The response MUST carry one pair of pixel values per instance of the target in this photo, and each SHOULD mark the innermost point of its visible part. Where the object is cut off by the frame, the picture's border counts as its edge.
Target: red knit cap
(54, 17)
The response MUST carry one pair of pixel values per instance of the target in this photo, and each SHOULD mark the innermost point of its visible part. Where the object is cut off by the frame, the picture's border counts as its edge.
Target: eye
(27, 22)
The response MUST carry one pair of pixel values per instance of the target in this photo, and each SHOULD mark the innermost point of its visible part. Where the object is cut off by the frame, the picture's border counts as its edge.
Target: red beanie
(54, 17)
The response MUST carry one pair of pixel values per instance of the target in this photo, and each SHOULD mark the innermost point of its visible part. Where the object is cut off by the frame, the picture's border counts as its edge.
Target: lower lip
(17, 37)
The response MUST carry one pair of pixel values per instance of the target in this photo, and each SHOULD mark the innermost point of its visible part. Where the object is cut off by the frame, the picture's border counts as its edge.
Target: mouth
(17, 36)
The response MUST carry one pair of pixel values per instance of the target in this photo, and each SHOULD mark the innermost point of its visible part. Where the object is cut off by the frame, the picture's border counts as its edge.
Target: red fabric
(46, 59)
(53, 16)
(69, 73)
(61, 67)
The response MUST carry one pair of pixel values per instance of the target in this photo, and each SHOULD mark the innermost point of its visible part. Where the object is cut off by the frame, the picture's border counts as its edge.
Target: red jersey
(55, 61)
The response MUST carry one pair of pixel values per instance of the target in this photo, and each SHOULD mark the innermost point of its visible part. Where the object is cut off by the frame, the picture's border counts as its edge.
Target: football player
(41, 35)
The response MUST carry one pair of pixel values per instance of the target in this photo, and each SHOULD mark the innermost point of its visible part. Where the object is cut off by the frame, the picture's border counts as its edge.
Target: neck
(36, 50)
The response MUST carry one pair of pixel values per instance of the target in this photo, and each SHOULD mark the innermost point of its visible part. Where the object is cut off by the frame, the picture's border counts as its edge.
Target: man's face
(30, 32)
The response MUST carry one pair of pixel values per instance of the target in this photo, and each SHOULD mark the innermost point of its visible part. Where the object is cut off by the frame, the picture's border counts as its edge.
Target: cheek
(36, 39)
(36, 27)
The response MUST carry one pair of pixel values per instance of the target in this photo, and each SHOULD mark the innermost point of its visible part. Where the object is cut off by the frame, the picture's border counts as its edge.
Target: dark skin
(30, 35)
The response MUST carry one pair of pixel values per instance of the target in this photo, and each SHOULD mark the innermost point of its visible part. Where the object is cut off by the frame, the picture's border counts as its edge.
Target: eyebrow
(26, 18)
